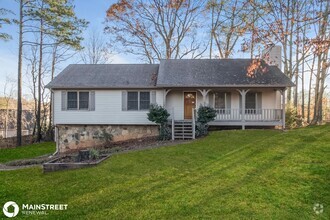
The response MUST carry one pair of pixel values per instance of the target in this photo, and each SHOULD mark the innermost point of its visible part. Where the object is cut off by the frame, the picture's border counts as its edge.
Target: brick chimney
(273, 56)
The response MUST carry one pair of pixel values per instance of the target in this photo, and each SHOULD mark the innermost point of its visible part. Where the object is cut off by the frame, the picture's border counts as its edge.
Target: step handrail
(172, 114)
(193, 123)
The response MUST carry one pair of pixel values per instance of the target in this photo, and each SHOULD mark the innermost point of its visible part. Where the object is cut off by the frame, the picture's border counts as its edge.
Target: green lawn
(260, 174)
(26, 152)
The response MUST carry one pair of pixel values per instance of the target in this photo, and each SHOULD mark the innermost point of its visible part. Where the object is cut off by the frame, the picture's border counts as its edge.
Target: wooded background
(51, 33)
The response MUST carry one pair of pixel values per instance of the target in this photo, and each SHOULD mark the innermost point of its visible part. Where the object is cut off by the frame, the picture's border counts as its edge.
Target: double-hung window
(222, 102)
(253, 103)
(138, 100)
(78, 100)
(251, 100)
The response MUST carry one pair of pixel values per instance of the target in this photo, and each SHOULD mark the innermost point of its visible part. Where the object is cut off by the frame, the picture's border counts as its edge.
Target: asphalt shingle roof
(217, 72)
(169, 73)
(106, 76)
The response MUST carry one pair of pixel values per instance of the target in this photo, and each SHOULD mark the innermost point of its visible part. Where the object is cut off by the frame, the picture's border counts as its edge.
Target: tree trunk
(317, 88)
(39, 136)
(310, 91)
(302, 89)
(321, 66)
(51, 93)
(19, 77)
(6, 121)
(212, 30)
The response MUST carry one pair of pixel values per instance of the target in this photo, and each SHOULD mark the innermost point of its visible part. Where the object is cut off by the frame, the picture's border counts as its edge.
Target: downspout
(56, 141)
(56, 128)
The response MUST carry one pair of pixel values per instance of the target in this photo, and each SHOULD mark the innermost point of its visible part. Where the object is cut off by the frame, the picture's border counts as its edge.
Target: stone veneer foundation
(75, 137)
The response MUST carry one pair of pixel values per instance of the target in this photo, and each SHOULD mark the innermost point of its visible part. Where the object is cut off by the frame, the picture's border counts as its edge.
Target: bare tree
(8, 91)
(230, 22)
(59, 53)
(32, 77)
(95, 49)
(283, 22)
(321, 49)
(157, 29)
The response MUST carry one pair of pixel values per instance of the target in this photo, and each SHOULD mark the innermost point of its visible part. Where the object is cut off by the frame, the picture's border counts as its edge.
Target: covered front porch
(243, 107)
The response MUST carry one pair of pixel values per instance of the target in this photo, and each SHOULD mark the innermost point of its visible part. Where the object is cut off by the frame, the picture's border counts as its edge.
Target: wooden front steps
(183, 129)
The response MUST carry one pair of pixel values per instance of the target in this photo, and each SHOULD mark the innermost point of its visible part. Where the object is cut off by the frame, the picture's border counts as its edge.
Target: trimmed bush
(159, 115)
(205, 114)
(201, 129)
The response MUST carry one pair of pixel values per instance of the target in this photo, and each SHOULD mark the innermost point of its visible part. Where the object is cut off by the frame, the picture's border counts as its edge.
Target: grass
(26, 152)
(260, 174)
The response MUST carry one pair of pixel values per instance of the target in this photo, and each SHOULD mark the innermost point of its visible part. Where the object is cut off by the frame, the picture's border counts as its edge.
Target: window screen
(144, 100)
(220, 100)
(83, 100)
(72, 100)
(132, 101)
(250, 102)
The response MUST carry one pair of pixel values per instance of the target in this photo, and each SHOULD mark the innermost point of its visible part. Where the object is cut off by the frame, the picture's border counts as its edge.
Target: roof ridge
(108, 64)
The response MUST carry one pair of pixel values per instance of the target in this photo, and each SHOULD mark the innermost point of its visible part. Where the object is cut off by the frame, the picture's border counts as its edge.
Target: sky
(91, 10)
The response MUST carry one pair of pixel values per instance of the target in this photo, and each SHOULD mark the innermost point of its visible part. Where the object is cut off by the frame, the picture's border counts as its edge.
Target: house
(92, 100)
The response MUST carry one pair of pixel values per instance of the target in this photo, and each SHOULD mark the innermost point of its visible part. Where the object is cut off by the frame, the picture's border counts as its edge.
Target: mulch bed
(74, 158)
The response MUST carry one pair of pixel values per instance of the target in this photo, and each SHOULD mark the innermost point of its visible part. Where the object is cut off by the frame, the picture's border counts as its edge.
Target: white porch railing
(250, 115)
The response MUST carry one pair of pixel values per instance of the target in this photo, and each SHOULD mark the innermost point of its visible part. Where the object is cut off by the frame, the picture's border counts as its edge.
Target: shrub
(159, 115)
(201, 129)
(94, 154)
(106, 136)
(205, 114)
(292, 118)
(165, 133)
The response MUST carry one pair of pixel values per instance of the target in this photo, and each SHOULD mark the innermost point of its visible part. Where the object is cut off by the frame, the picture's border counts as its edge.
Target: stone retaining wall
(11, 141)
(74, 137)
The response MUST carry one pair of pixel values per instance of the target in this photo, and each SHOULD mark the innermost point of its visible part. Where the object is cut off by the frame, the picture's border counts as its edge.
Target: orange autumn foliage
(255, 66)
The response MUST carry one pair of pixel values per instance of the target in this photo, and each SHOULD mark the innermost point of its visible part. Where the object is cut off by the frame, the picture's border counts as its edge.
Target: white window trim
(77, 109)
(226, 107)
(138, 91)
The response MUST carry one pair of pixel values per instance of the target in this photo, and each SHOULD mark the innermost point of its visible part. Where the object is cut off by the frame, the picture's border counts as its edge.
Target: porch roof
(218, 73)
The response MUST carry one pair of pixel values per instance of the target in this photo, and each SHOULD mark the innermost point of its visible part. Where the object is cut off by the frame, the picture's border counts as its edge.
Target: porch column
(283, 108)
(204, 93)
(243, 94)
(166, 91)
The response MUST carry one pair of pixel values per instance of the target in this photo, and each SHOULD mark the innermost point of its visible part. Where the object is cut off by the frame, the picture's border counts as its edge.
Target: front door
(189, 104)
